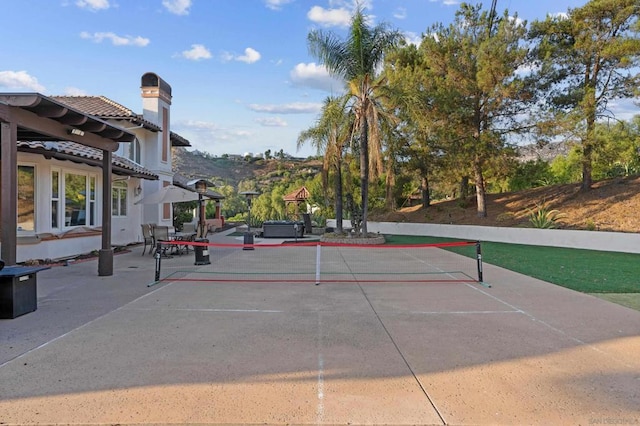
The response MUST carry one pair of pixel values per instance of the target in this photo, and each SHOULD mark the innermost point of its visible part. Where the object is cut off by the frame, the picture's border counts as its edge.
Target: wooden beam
(8, 191)
(105, 255)
(49, 127)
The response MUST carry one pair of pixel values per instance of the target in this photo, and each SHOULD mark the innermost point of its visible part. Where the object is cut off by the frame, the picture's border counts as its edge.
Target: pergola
(35, 117)
(296, 197)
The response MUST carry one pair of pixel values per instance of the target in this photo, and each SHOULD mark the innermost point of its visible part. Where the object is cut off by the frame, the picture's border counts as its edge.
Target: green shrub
(543, 217)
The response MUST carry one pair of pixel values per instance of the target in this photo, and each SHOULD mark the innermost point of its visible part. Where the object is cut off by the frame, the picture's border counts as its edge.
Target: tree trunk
(426, 195)
(339, 204)
(589, 141)
(364, 172)
(480, 192)
(464, 188)
(587, 150)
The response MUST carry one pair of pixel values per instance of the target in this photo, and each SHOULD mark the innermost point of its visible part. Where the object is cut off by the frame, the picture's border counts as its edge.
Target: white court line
(465, 312)
(260, 311)
(555, 329)
(81, 326)
(320, 407)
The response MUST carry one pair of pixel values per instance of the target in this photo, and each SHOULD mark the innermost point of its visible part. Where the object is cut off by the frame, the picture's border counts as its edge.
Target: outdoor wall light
(76, 132)
(137, 191)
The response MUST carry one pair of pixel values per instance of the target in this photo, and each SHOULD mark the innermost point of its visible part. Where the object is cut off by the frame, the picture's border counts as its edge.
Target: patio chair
(161, 233)
(147, 237)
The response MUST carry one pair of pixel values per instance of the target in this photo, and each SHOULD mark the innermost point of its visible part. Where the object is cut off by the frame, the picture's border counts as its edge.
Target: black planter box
(18, 290)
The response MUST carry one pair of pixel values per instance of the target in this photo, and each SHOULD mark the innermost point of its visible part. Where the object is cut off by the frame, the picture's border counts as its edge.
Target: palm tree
(357, 60)
(329, 136)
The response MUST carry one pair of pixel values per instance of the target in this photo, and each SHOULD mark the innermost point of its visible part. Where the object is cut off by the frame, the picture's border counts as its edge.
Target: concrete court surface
(110, 350)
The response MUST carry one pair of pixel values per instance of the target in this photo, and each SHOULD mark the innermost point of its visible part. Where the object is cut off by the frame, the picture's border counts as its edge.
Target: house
(78, 165)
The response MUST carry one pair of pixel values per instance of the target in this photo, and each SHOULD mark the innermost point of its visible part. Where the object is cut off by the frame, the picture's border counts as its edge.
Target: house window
(119, 199)
(26, 198)
(79, 199)
(55, 199)
(131, 151)
(165, 135)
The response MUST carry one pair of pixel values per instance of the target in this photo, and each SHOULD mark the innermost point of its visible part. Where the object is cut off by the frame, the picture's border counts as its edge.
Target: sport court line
(320, 407)
(260, 311)
(464, 312)
(80, 327)
(555, 329)
(404, 359)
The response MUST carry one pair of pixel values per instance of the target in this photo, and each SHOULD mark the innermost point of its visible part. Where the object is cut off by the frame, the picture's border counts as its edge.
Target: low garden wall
(590, 240)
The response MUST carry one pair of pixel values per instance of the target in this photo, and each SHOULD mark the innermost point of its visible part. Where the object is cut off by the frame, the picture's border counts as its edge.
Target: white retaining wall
(590, 240)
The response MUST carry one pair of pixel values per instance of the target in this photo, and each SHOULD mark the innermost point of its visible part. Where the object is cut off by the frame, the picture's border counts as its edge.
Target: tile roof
(105, 108)
(299, 194)
(65, 150)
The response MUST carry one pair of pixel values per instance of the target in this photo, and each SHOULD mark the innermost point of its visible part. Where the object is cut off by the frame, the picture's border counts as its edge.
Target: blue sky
(240, 72)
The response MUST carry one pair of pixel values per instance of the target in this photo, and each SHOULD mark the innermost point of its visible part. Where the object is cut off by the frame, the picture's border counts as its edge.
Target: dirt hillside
(612, 205)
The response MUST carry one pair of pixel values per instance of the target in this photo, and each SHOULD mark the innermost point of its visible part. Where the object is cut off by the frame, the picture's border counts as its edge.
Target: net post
(479, 262)
(158, 257)
(318, 256)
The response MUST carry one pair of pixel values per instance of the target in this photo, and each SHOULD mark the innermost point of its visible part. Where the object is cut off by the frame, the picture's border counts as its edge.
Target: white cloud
(198, 131)
(177, 7)
(314, 76)
(74, 91)
(115, 39)
(624, 109)
(196, 53)
(292, 108)
(450, 2)
(271, 122)
(559, 15)
(276, 4)
(413, 38)
(330, 17)
(400, 13)
(93, 5)
(20, 80)
(250, 56)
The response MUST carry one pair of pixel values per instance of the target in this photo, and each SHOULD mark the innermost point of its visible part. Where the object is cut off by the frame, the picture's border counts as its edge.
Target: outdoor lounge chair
(147, 237)
(161, 233)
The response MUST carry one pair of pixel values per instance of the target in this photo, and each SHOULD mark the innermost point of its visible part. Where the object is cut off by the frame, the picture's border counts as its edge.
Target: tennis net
(321, 262)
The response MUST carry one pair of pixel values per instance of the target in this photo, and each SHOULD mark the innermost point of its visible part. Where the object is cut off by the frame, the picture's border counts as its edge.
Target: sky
(242, 78)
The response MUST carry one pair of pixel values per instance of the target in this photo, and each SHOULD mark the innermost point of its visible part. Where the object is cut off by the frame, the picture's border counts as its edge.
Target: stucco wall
(590, 240)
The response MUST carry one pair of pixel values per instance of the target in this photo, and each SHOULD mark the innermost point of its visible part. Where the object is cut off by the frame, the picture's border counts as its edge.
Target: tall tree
(357, 61)
(472, 94)
(329, 136)
(586, 59)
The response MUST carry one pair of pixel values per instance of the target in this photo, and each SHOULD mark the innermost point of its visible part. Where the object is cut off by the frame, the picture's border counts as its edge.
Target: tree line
(450, 111)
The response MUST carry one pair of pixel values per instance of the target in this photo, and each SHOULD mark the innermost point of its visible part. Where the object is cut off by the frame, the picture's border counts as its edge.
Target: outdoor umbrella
(169, 194)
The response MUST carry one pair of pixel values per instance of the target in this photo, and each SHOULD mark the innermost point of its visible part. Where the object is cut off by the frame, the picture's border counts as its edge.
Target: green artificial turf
(587, 271)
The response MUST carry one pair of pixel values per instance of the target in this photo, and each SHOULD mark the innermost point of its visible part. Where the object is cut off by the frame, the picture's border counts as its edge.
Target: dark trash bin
(248, 241)
(202, 252)
(18, 290)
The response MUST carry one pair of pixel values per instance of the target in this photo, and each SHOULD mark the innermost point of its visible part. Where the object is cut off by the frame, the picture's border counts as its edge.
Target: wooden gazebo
(296, 198)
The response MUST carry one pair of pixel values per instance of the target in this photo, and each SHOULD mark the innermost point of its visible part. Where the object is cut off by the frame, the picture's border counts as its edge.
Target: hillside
(232, 170)
(612, 205)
